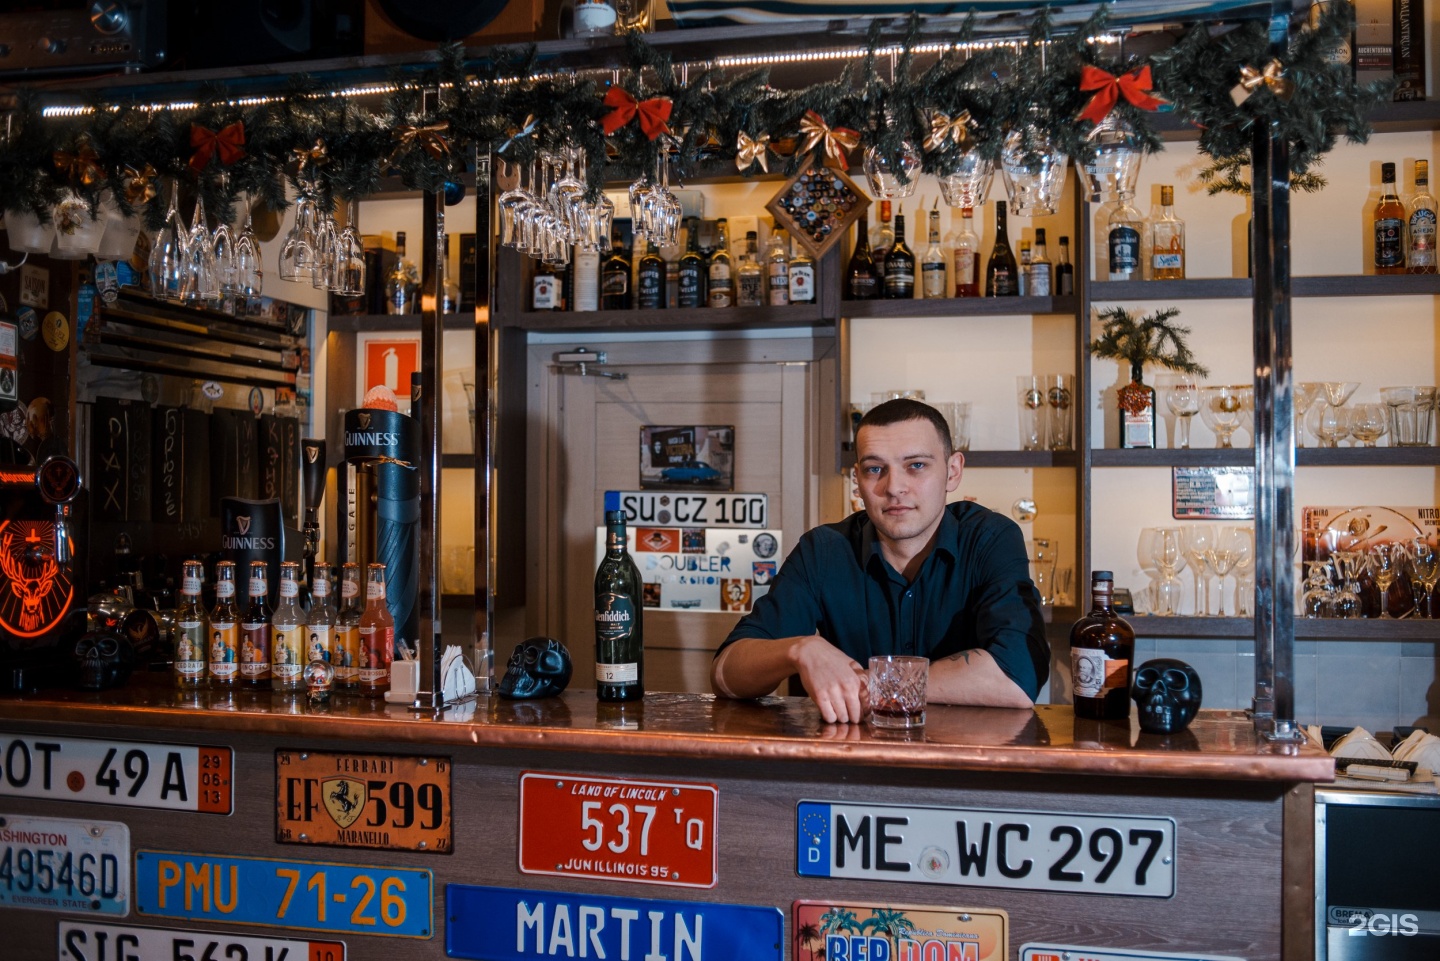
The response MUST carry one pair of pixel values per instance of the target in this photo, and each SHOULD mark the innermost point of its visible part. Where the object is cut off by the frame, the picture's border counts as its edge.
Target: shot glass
(1031, 396)
(897, 691)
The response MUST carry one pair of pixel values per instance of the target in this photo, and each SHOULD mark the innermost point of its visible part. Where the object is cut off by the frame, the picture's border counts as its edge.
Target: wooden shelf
(1225, 288)
(1245, 457)
(356, 323)
(1021, 458)
(1306, 629)
(958, 307)
(673, 318)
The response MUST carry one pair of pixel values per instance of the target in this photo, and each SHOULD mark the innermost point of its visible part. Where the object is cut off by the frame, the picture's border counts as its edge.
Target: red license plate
(649, 832)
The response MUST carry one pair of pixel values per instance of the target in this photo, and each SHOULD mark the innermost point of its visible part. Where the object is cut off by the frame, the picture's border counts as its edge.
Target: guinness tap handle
(312, 473)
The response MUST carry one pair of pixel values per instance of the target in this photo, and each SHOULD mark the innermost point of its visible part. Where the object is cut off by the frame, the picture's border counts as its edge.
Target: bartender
(910, 575)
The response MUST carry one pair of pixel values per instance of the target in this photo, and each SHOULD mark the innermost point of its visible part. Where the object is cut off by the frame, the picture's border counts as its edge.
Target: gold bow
(430, 138)
(752, 151)
(837, 140)
(1271, 77)
(82, 166)
(139, 185)
(943, 129)
(315, 155)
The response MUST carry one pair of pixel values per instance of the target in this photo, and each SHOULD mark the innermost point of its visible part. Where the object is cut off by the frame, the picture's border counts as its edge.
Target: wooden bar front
(1241, 807)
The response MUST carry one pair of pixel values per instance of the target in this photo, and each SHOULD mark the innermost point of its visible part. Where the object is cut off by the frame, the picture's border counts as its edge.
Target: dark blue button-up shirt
(973, 591)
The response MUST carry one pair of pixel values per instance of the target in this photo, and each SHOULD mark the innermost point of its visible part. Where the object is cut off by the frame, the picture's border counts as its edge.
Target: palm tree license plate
(826, 929)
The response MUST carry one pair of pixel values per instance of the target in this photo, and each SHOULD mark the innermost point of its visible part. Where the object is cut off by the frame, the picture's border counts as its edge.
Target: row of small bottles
(1405, 232)
(261, 648)
(712, 278)
(402, 283)
(883, 265)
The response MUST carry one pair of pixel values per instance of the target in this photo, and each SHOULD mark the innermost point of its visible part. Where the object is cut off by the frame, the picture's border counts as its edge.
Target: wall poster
(696, 457)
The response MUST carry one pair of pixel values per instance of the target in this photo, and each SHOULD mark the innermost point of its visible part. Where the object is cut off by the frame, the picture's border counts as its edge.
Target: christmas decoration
(1134, 86)
(836, 141)
(752, 151)
(653, 113)
(1152, 339)
(229, 143)
(1272, 78)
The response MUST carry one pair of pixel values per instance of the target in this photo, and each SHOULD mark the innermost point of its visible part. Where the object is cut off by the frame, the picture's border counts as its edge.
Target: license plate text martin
(177, 777)
(647, 832)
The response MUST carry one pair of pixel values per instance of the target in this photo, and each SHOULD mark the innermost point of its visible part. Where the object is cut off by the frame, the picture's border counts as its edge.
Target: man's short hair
(903, 409)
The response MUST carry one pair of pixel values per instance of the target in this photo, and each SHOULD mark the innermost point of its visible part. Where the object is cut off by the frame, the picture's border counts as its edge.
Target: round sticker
(765, 545)
(212, 390)
(29, 322)
(56, 331)
(257, 401)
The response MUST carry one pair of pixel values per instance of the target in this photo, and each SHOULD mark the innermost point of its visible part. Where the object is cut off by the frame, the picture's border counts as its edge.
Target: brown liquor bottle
(1389, 226)
(862, 282)
(1102, 656)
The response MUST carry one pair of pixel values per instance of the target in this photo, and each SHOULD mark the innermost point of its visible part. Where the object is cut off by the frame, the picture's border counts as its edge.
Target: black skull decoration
(105, 660)
(540, 667)
(1167, 692)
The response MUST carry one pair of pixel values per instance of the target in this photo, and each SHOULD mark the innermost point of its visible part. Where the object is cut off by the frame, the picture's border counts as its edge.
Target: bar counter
(1241, 811)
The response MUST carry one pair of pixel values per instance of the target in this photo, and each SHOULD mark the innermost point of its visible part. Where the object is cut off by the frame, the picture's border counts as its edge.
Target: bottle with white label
(224, 641)
(345, 650)
(587, 278)
(619, 607)
(1123, 242)
(320, 630)
(287, 634)
(255, 629)
(192, 626)
(377, 635)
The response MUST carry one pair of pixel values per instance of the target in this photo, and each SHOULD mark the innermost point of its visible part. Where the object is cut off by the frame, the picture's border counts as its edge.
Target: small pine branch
(1152, 339)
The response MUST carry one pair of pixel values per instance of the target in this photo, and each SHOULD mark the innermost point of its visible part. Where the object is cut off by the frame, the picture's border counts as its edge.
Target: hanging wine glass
(327, 242)
(249, 272)
(167, 252)
(350, 257)
(892, 179)
(1034, 171)
(297, 254)
(199, 282)
(968, 185)
(1116, 165)
(222, 249)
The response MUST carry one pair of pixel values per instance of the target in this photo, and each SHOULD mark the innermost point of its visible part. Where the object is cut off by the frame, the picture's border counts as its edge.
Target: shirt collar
(946, 539)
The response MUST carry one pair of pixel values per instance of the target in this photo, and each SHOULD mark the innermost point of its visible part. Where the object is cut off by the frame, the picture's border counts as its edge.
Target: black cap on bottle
(1387, 172)
(1102, 576)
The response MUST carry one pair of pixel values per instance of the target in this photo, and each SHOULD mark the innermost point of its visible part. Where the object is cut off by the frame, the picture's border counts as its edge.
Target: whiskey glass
(1368, 423)
(1183, 399)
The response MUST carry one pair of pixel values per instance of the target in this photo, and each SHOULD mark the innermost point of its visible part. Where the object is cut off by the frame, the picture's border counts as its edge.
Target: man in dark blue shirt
(910, 575)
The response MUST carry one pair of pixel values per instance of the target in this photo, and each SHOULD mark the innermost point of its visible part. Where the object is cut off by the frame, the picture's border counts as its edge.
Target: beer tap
(58, 483)
(312, 483)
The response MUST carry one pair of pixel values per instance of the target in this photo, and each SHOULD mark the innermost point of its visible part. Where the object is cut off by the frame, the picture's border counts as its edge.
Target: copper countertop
(1219, 744)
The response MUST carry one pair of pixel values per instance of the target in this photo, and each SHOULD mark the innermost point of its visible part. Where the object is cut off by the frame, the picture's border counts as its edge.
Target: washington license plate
(650, 832)
(664, 509)
(1085, 853)
(361, 800)
(59, 864)
(87, 941)
(304, 895)
(178, 777)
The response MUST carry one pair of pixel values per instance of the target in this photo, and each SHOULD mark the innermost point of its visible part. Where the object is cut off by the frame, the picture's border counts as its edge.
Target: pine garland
(1152, 339)
(508, 104)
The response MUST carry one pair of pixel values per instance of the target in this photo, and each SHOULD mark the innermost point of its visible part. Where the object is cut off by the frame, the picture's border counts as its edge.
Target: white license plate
(1083, 853)
(59, 864)
(87, 941)
(664, 509)
(179, 777)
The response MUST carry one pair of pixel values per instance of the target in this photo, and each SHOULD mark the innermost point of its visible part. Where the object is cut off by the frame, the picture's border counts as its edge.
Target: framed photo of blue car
(687, 458)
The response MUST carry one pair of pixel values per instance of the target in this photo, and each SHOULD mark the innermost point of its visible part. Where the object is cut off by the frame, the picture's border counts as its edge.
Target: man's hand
(835, 682)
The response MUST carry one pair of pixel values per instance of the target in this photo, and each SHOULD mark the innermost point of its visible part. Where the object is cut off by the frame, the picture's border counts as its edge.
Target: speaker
(247, 32)
(441, 20)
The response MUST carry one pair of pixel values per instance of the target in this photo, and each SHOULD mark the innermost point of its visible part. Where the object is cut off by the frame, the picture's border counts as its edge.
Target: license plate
(359, 800)
(695, 510)
(649, 832)
(1070, 952)
(511, 924)
(899, 932)
(305, 895)
(59, 864)
(176, 777)
(86, 941)
(1086, 853)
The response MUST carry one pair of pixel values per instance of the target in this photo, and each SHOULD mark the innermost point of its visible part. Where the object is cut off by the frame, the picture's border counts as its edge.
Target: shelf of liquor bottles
(671, 318)
(958, 307)
(1245, 457)
(364, 323)
(1226, 288)
(1306, 628)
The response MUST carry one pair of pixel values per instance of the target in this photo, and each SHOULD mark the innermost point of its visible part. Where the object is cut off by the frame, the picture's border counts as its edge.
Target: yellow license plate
(362, 800)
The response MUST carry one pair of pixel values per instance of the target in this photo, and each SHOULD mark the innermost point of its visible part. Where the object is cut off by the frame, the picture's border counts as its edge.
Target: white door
(778, 394)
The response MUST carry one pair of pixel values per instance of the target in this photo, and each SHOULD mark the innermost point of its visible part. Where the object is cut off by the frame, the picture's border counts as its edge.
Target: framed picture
(388, 359)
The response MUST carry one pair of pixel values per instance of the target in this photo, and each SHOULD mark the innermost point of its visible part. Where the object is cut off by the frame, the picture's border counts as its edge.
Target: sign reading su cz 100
(649, 832)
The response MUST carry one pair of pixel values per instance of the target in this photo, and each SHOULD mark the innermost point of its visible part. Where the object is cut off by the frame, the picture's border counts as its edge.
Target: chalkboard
(233, 456)
(270, 458)
(290, 471)
(167, 501)
(196, 497)
(120, 459)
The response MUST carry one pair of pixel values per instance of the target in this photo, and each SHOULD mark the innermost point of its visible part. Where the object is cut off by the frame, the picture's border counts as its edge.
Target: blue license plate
(306, 895)
(61, 864)
(510, 924)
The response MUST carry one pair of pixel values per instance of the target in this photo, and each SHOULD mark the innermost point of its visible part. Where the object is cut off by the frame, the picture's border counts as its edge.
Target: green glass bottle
(619, 634)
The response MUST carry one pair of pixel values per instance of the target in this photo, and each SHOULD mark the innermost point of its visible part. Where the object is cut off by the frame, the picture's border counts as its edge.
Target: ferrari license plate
(648, 832)
(360, 800)
(176, 777)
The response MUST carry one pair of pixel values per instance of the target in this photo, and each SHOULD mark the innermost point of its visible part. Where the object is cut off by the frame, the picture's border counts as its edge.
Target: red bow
(230, 142)
(654, 113)
(1135, 85)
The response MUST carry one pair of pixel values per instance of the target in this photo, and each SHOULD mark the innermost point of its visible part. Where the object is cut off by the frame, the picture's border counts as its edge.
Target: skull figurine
(540, 667)
(1167, 692)
(105, 660)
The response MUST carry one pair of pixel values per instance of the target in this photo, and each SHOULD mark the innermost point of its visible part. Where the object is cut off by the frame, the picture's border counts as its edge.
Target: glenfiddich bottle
(861, 280)
(193, 629)
(255, 630)
(619, 637)
(287, 627)
(1102, 656)
(377, 635)
(224, 640)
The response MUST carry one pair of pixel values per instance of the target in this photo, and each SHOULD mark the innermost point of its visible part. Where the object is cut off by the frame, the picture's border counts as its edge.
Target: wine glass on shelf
(1333, 425)
(1306, 394)
(1348, 564)
(1368, 423)
(1384, 562)
(1222, 555)
(1424, 572)
(1183, 399)
(1220, 409)
(1198, 538)
(1337, 394)
(1315, 602)
(1166, 551)
(1245, 571)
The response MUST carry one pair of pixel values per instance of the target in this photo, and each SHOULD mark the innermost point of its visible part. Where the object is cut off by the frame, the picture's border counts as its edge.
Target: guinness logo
(312, 454)
(414, 393)
(344, 799)
(244, 524)
(364, 418)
